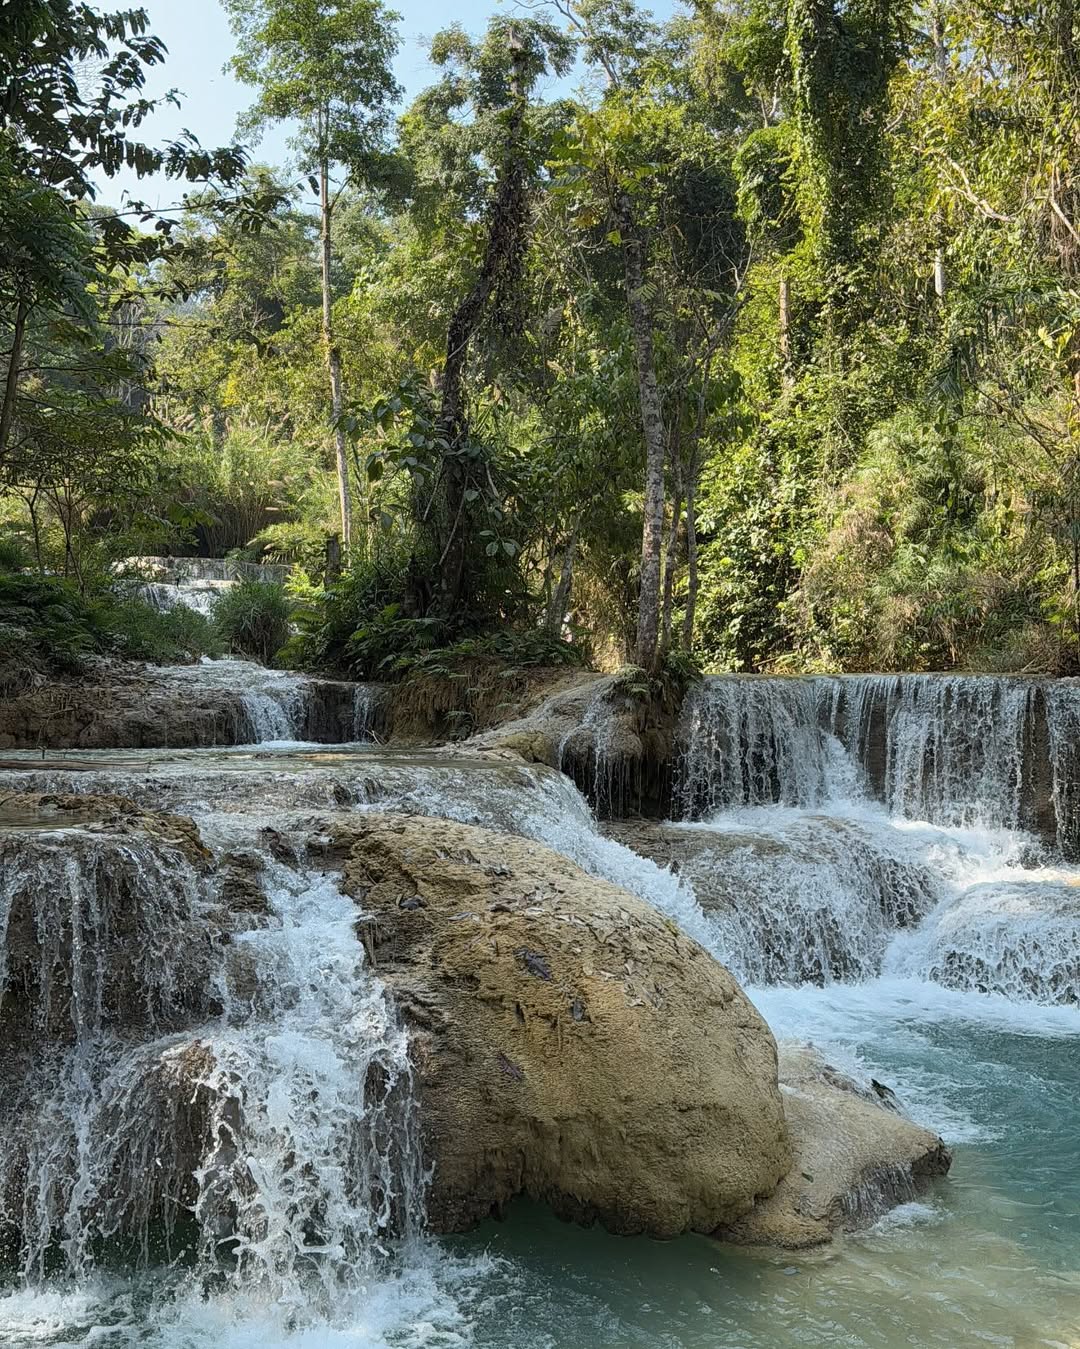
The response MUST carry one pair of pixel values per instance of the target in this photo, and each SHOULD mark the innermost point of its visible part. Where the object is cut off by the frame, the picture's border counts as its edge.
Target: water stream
(884, 862)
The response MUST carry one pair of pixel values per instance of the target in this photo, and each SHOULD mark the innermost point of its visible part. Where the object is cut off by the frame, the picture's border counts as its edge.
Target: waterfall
(198, 595)
(170, 1062)
(277, 704)
(366, 703)
(951, 749)
(889, 822)
(202, 1076)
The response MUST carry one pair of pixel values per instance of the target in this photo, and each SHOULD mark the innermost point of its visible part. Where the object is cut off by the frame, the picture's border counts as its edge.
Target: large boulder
(571, 1044)
(855, 1157)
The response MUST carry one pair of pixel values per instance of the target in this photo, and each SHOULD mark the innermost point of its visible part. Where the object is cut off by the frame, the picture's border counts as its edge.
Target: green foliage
(134, 630)
(325, 66)
(223, 495)
(47, 626)
(252, 619)
(327, 617)
(858, 225)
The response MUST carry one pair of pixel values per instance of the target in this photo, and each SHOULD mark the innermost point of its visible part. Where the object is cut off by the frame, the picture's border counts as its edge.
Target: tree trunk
(333, 360)
(652, 421)
(556, 615)
(11, 383)
(505, 226)
(671, 552)
(787, 368)
(941, 67)
(691, 557)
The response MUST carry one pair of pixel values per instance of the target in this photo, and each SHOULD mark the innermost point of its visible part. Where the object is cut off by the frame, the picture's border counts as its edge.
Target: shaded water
(941, 939)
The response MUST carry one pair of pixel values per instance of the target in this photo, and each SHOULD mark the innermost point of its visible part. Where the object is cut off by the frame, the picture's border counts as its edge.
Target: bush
(13, 555)
(134, 630)
(252, 619)
(48, 627)
(368, 597)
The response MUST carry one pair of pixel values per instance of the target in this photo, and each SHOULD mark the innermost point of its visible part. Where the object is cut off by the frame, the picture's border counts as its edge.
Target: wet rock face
(571, 1044)
(855, 1157)
(812, 900)
(120, 706)
(618, 747)
(104, 919)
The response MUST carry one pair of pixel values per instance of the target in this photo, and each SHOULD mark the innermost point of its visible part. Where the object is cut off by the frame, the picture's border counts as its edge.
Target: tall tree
(616, 37)
(325, 65)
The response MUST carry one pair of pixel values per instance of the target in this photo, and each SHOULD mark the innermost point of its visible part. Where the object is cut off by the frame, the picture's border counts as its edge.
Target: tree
(325, 66)
(56, 131)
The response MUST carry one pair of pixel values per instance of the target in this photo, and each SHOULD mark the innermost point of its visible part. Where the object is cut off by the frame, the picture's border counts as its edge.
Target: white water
(277, 703)
(943, 958)
(271, 1146)
(192, 582)
(951, 749)
(198, 595)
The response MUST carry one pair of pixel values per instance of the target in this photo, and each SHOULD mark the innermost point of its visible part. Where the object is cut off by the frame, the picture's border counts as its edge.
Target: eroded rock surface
(116, 705)
(104, 917)
(855, 1157)
(571, 1044)
(617, 745)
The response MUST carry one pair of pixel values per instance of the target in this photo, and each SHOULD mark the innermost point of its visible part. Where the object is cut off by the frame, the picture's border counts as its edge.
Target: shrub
(368, 597)
(134, 630)
(252, 619)
(12, 555)
(48, 627)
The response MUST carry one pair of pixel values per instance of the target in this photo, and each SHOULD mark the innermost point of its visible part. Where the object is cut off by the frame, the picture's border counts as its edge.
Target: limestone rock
(98, 898)
(855, 1157)
(616, 744)
(117, 705)
(571, 1044)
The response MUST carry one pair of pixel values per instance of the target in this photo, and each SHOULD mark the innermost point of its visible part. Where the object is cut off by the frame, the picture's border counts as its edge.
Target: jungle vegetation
(748, 338)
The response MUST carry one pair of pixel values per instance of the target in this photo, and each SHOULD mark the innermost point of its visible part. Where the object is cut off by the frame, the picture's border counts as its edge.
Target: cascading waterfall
(366, 702)
(223, 1090)
(949, 749)
(254, 1082)
(276, 703)
(867, 806)
(198, 595)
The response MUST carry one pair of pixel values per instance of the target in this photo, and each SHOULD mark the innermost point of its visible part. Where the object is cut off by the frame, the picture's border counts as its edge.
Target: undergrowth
(252, 619)
(49, 627)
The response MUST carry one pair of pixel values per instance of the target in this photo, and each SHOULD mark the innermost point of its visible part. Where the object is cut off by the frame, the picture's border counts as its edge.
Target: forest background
(745, 340)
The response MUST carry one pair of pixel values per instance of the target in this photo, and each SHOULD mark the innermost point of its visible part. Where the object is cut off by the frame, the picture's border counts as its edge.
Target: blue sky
(197, 35)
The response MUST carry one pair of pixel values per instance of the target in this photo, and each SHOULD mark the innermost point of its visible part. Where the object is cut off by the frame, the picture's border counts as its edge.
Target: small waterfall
(950, 749)
(809, 898)
(896, 822)
(276, 704)
(95, 926)
(366, 703)
(1063, 734)
(198, 595)
(313, 1158)
(1018, 936)
(752, 742)
(246, 1097)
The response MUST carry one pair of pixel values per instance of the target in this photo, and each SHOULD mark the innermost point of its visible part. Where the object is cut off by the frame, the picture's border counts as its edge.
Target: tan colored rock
(855, 1157)
(571, 1043)
(615, 741)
